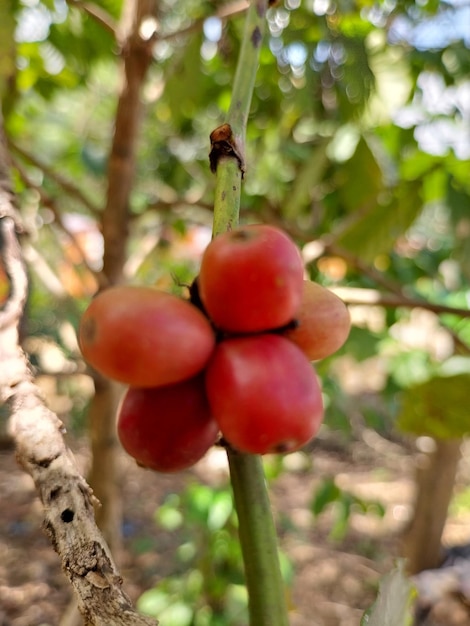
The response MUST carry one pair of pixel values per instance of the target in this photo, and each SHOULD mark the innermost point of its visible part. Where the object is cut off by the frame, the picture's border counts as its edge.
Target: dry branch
(41, 451)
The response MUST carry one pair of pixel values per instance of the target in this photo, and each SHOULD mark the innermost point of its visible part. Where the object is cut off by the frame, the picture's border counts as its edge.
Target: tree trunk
(136, 58)
(435, 477)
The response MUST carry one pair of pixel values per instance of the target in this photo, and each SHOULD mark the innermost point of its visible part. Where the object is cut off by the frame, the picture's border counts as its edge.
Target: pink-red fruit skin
(264, 394)
(167, 429)
(251, 279)
(323, 322)
(144, 337)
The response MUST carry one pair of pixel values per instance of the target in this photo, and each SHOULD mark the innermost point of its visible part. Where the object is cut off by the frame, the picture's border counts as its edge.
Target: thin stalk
(247, 67)
(229, 173)
(227, 196)
(258, 539)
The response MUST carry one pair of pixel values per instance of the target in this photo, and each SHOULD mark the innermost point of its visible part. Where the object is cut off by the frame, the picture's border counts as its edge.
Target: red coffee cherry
(264, 394)
(251, 279)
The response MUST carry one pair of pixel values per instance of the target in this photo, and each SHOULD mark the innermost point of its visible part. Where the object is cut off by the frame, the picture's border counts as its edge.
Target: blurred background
(358, 145)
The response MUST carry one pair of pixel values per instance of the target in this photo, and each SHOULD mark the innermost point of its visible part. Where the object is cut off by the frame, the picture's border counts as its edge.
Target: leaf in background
(393, 604)
(327, 493)
(220, 510)
(358, 80)
(362, 343)
(458, 202)
(342, 517)
(376, 230)
(363, 180)
(437, 408)
(307, 177)
(187, 85)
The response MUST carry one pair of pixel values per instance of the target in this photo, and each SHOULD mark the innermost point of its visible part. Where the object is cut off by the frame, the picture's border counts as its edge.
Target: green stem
(247, 67)
(258, 539)
(227, 196)
(229, 175)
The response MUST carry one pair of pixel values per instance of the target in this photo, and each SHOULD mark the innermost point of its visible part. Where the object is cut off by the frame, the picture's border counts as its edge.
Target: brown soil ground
(334, 582)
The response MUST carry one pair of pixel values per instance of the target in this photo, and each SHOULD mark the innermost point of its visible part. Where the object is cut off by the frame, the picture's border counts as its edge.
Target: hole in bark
(67, 515)
(54, 493)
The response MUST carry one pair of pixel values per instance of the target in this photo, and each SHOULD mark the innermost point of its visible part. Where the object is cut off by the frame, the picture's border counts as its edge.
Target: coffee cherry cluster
(234, 359)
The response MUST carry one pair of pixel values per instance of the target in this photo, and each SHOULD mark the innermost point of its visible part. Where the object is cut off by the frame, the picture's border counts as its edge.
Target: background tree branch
(136, 58)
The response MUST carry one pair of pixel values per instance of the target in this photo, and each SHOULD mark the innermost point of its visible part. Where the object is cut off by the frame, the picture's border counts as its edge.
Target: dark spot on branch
(54, 493)
(256, 37)
(223, 195)
(46, 462)
(67, 516)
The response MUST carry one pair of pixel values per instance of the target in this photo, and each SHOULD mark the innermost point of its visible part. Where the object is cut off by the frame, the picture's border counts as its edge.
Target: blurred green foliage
(344, 503)
(207, 587)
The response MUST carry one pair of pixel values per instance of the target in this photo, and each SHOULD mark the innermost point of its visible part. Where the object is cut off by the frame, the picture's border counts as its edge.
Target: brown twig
(364, 268)
(352, 295)
(65, 184)
(223, 13)
(136, 57)
(96, 12)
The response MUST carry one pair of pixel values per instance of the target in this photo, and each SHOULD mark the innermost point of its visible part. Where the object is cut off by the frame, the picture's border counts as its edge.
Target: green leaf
(308, 176)
(153, 602)
(186, 86)
(437, 408)
(342, 516)
(169, 518)
(327, 493)
(362, 343)
(377, 228)
(393, 604)
(363, 178)
(220, 510)
(412, 367)
(177, 614)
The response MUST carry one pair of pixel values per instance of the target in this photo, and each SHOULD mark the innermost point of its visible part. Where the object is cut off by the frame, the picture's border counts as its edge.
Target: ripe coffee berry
(251, 279)
(264, 394)
(167, 428)
(323, 322)
(144, 337)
